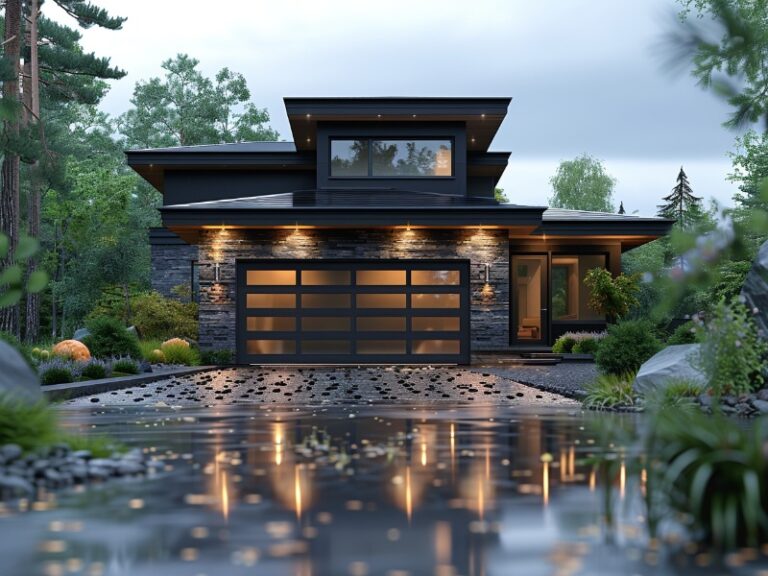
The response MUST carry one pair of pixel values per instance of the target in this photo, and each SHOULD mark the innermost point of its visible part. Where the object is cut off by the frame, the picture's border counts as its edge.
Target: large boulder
(672, 363)
(755, 290)
(81, 333)
(17, 380)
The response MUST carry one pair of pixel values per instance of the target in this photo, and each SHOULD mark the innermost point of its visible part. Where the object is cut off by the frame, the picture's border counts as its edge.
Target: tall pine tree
(681, 204)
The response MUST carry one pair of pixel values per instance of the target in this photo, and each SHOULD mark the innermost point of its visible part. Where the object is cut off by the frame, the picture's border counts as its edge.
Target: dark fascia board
(488, 158)
(334, 216)
(603, 227)
(396, 105)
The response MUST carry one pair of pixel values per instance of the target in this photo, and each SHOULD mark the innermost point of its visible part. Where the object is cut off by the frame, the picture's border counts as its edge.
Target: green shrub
(126, 366)
(563, 345)
(94, 369)
(732, 357)
(108, 338)
(216, 357)
(678, 393)
(158, 317)
(711, 474)
(627, 345)
(181, 354)
(148, 346)
(25, 352)
(28, 425)
(683, 334)
(610, 391)
(586, 346)
(613, 297)
(57, 371)
(157, 356)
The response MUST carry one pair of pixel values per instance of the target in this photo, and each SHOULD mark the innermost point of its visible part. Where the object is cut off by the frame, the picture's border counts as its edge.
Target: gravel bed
(22, 475)
(566, 378)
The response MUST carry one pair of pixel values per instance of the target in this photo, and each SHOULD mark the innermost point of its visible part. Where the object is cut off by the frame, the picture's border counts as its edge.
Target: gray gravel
(566, 378)
(331, 386)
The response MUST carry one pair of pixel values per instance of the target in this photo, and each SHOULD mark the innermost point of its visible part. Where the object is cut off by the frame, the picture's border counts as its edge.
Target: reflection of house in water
(399, 493)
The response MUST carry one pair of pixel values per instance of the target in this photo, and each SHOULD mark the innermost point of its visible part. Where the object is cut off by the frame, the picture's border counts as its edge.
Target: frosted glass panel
(270, 301)
(436, 346)
(435, 300)
(381, 277)
(435, 324)
(326, 277)
(326, 324)
(381, 300)
(435, 277)
(271, 346)
(326, 300)
(271, 323)
(382, 323)
(270, 277)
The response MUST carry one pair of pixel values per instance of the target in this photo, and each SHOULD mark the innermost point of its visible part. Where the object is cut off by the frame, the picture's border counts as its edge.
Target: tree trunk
(9, 194)
(32, 108)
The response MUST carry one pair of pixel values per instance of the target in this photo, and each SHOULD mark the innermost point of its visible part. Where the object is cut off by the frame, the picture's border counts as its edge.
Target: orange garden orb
(72, 349)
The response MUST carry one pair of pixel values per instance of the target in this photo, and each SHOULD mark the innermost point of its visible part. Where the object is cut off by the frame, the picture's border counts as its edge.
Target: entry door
(353, 311)
(529, 300)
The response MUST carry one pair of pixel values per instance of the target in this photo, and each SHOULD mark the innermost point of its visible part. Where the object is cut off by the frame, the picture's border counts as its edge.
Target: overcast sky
(585, 75)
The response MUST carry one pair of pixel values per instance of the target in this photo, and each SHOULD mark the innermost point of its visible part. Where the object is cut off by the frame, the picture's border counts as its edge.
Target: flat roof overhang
(152, 165)
(483, 116)
(630, 232)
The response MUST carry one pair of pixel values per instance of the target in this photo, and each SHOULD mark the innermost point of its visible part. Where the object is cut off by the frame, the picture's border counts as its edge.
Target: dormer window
(391, 158)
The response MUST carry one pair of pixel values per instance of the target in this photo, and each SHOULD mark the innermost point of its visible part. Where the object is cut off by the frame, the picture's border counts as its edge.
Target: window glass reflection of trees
(391, 158)
(349, 158)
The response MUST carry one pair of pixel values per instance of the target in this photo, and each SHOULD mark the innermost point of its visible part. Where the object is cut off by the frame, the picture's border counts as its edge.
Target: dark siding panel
(184, 186)
(480, 186)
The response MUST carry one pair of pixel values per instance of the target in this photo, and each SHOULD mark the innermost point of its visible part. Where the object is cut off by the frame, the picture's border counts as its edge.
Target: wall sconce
(487, 266)
(216, 272)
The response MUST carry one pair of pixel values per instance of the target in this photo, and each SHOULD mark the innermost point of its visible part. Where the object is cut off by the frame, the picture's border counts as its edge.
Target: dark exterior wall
(490, 304)
(171, 260)
(184, 186)
(456, 185)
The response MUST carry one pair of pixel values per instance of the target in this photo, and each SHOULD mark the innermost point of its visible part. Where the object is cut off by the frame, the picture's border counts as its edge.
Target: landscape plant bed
(58, 392)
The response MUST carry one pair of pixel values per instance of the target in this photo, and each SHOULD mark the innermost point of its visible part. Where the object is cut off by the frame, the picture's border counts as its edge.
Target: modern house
(374, 237)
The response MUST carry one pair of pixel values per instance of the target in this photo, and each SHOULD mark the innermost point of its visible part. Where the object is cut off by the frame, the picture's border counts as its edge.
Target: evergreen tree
(681, 204)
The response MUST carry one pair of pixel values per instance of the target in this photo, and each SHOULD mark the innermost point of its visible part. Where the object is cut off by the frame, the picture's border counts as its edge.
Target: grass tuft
(610, 391)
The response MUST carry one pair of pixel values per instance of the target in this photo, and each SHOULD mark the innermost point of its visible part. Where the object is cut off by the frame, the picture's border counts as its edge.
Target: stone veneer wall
(490, 304)
(171, 266)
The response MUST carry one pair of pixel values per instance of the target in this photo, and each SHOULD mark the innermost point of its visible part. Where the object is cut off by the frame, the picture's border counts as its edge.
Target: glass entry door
(529, 299)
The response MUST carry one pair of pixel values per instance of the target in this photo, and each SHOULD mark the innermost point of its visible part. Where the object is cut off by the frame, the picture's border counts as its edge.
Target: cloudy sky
(585, 75)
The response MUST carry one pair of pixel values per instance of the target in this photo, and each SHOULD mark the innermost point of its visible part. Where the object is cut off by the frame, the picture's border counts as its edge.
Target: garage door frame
(462, 312)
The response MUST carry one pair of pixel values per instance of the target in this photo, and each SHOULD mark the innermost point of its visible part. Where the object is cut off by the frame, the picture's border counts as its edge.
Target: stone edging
(60, 392)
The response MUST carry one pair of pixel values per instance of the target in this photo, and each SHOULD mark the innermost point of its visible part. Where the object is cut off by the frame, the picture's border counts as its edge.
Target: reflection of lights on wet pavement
(623, 479)
(408, 495)
(279, 439)
(297, 494)
(546, 459)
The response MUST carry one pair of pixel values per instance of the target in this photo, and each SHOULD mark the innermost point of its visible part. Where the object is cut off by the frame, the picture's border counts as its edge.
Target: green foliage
(158, 317)
(108, 338)
(95, 369)
(563, 345)
(147, 346)
(13, 283)
(610, 391)
(613, 297)
(732, 357)
(681, 204)
(181, 354)
(499, 196)
(586, 346)
(711, 474)
(216, 357)
(186, 108)
(732, 66)
(98, 446)
(730, 280)
(678, 394)
(25, 352)
(56, 373)
(627, 345)
(125, 366)
(28, 425)
(582, 184)
(683, 334)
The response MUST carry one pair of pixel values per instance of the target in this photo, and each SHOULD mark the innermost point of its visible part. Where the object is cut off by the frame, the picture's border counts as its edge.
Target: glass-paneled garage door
(353, 311)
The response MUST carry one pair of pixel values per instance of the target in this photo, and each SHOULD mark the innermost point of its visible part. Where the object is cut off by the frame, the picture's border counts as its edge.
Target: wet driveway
(349, 490)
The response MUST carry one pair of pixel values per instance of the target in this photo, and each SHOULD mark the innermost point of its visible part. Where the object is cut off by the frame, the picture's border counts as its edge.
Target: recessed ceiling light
(309, 139)
(414, 115)
(378, 115)
(481, 115)
(309, 115)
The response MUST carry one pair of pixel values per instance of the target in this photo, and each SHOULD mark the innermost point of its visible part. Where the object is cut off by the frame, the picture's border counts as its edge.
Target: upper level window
(391, 158)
